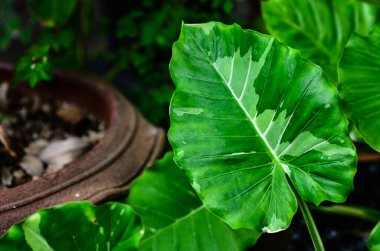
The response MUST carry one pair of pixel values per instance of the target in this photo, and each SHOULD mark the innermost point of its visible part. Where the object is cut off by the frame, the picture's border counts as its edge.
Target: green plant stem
(111, 73)
(313, 231)
(353, 211)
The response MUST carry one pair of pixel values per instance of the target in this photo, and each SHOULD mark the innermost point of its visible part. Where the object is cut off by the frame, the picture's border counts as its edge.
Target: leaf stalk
(313, 231)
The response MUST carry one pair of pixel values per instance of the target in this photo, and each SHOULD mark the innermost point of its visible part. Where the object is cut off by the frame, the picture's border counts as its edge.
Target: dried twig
(4, 87)
(5, 141)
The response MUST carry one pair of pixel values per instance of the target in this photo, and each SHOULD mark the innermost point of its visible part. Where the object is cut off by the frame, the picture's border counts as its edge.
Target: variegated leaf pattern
(374, 239)
(319, 28)
(249, 113)
(76, 226)
(360, 84)
(175, 218)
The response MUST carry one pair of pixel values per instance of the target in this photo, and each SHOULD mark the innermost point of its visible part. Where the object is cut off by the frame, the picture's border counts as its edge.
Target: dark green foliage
(138, 41)
(34, 66)
(146, 34)
(54, 35)
(52, 13)
(9, 23)
(76, 226)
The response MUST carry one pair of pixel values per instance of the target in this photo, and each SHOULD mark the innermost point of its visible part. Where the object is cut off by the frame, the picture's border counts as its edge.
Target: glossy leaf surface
(76, 226)
(248, 114)
(374, 239)
(175, 218)
(318, 28)
(360, 84)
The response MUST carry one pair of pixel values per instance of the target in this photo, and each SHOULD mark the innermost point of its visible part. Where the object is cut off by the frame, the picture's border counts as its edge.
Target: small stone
(36, 103)
(102, 126)
(36, 147)
(95, 137)
(4, 87)
(23, 113)
(62, 152)
(32, 165)
(46, 108)
(20, 177)
(70, 113)
(52, 169)
(45, 132)
(6, 176)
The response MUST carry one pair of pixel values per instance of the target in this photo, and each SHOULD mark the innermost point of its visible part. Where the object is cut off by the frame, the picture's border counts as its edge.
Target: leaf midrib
(270, 151)
(38, 236)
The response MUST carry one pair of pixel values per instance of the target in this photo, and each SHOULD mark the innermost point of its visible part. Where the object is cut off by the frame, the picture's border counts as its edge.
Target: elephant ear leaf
(374, 239)
(360, 84)
(175, 218)
(319, 29)
(76, 226)
(249, 115)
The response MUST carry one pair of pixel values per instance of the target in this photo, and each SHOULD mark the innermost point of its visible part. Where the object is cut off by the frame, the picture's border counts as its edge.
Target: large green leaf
(374, 239)
(76, 226)
(53, 12)
(360, 84)
(247, 114)
(174, 216)
(319, 28)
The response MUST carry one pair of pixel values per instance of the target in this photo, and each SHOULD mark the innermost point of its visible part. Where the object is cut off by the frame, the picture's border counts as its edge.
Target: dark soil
(38, 137)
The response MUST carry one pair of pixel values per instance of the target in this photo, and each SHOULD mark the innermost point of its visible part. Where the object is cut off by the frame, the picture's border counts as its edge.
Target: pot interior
(81, 91)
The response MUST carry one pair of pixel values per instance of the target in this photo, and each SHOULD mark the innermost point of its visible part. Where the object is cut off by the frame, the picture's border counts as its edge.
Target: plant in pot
(257, 130)
(73, 139)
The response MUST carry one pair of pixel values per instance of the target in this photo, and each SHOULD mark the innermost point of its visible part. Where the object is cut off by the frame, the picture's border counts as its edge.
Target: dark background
(127, 42)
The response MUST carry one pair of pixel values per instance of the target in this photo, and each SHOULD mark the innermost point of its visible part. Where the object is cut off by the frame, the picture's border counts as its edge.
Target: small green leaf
(63, 39)
(34, 66)
(374, 239)
(249, 114)
(52, 13)
(175, 218)
(319, 29)
(360, 84)
(4, 118)
(76, 226)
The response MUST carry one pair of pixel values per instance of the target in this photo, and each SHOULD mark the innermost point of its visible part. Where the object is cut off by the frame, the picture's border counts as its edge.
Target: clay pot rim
(116, 105)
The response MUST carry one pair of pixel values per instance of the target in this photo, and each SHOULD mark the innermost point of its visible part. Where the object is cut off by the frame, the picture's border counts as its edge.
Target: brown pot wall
(129, 145)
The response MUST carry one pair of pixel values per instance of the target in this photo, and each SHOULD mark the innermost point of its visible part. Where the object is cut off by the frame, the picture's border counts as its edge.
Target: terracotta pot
(366, 154)
(130, 144)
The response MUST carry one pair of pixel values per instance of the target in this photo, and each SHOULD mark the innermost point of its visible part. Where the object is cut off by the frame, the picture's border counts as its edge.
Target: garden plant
(260, 128)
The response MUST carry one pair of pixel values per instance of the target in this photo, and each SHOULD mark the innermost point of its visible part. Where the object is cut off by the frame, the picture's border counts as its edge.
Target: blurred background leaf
(52, 13)
(9, 23)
